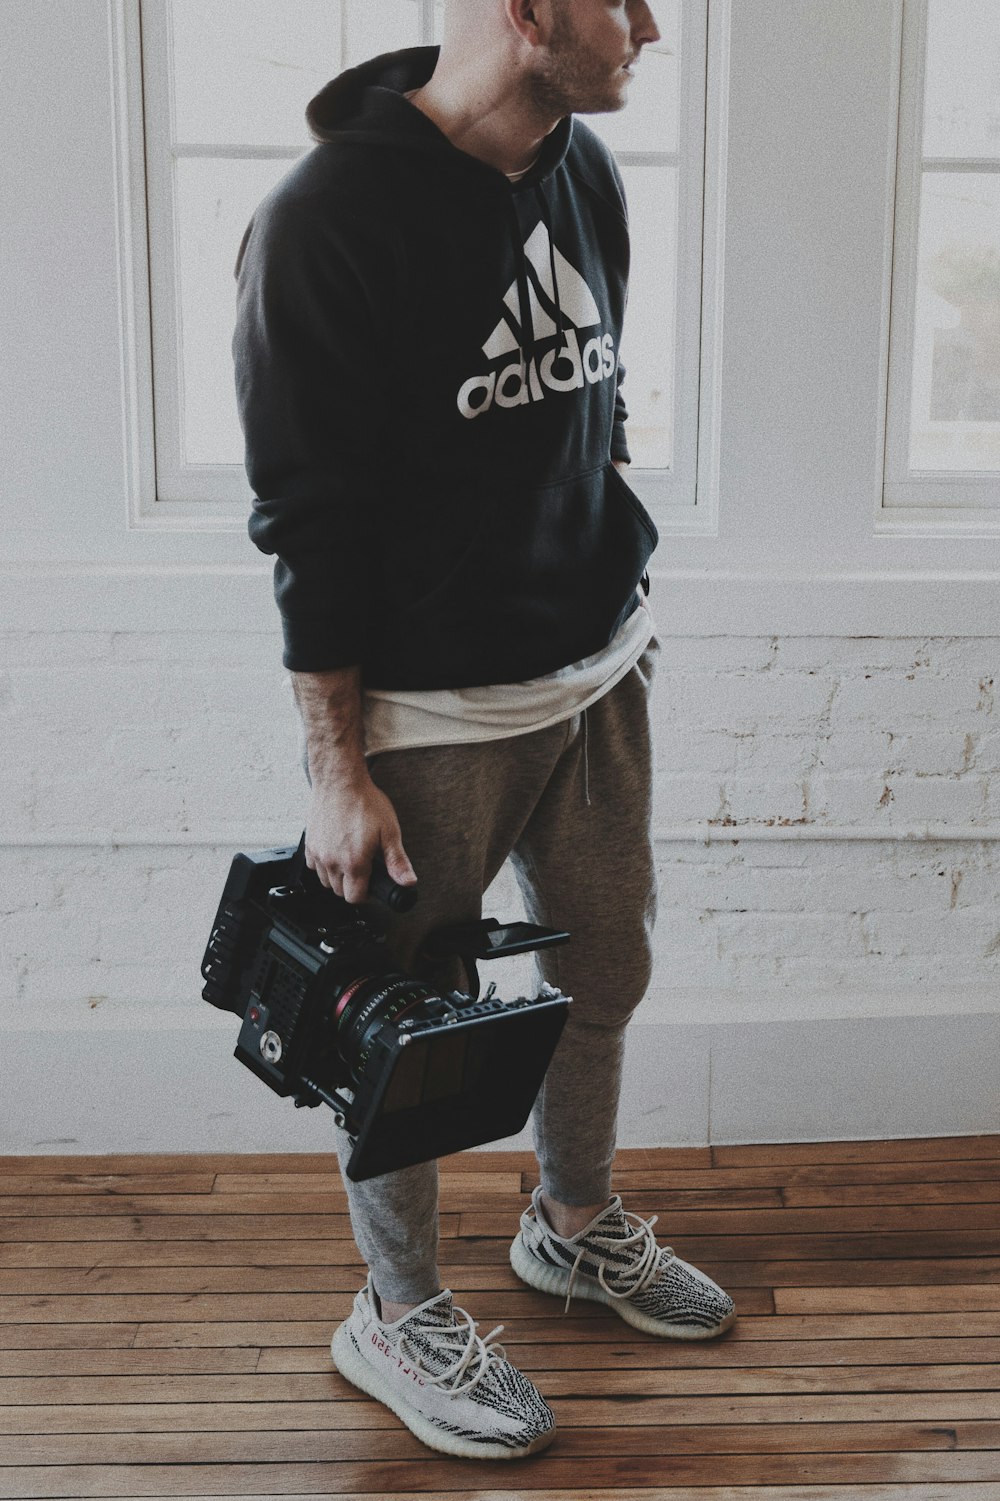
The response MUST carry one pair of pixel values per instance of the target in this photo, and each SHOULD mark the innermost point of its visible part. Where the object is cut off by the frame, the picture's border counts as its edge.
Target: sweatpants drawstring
(586, 763)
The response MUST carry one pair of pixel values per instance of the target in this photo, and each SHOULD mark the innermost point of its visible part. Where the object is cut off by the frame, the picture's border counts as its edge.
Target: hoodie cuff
(319, 645)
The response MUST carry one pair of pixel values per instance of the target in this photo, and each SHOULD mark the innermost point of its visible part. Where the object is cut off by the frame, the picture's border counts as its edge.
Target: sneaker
(454, 1390)
(616, 1260)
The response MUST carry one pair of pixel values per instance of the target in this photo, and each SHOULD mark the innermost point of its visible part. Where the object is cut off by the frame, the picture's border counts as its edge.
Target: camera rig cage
(412, 1071)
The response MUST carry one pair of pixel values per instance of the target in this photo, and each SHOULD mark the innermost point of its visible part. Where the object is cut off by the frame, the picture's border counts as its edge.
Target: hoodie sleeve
(619, 443)
(306, 352)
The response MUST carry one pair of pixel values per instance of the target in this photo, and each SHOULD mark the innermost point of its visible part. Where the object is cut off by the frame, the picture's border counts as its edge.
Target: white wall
(828, 976)
(824, 970)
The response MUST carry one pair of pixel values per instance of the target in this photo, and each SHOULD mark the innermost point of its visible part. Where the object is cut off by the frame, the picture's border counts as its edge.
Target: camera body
(412, 1070)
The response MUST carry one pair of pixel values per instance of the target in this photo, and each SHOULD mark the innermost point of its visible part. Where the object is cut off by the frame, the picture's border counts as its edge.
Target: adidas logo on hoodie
(518, 383)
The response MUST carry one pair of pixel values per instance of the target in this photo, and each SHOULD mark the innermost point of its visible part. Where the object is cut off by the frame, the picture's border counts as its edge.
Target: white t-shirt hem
(404, 720)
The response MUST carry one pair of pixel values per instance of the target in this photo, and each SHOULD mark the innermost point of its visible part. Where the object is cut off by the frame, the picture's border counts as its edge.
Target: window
(943, 436)
(224, 96)
(815, 301)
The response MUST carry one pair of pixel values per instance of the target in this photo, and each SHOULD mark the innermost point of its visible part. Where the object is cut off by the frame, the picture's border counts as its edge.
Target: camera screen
(517, 932)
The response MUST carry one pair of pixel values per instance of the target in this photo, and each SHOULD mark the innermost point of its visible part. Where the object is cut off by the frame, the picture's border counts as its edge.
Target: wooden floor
(165, 1323)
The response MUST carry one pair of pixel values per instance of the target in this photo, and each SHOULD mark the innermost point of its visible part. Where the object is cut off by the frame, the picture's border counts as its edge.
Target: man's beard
(572, 79)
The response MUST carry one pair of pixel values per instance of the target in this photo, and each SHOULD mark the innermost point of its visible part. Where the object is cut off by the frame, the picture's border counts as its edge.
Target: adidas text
(517, 385)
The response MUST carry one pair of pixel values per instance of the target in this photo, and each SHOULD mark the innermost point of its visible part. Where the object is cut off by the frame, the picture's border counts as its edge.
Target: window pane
(956, 367)
(244, 75)
(649, 121)
(215, 201)
(962, 103)
(372, 28)
(650, 321)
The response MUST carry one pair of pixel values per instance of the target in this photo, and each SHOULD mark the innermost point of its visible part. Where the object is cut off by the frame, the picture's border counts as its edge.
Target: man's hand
(349, 822)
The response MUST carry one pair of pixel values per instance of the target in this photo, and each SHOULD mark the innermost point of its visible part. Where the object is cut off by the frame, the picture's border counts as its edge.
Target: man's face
(586, 67)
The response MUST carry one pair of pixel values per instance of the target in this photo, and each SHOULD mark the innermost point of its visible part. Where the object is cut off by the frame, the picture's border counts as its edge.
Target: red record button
(254, 1014)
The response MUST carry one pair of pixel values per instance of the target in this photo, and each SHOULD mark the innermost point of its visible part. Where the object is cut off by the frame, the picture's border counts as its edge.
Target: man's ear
(531, 19)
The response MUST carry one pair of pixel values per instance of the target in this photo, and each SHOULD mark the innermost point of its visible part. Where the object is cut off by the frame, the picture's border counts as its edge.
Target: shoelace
(652, 1259)
(476, 1348)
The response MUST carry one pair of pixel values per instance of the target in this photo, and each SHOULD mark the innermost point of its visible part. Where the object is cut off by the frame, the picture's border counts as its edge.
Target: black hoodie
(427, 376)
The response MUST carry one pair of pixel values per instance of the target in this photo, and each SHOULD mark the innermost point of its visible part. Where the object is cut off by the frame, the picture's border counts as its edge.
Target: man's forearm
(330, 705)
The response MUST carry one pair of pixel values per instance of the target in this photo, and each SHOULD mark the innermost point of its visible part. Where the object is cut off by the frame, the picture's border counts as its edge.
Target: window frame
(801, 546)
(214, 496)
(916, 503)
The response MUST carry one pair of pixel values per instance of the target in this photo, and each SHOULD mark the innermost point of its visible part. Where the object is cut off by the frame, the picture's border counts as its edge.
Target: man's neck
(497, 130)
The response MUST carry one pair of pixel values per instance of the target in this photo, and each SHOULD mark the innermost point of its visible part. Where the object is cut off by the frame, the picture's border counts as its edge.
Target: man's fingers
(356, 887)
(334, 880)
(397, 863)
(350, 882)
(325, 874)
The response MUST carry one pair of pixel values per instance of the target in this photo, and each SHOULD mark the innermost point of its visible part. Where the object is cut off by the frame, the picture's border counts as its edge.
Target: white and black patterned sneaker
(617, 1262)
(452, 1388)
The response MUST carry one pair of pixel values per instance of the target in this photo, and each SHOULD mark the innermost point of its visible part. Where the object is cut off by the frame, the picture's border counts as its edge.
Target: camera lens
(366, 1005)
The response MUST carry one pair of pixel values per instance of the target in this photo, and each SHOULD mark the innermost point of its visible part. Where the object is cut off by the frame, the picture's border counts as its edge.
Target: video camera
(413, 1071)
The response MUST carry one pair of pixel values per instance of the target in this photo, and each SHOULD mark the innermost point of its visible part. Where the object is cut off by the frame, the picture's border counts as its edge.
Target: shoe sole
(355, 1369)
(550, 1279)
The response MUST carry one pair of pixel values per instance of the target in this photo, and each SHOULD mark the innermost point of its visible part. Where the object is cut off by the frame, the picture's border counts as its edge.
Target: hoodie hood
(367, 103)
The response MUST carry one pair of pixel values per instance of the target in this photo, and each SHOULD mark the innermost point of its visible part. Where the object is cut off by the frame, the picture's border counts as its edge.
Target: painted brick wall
(135, 764)
(821, 731)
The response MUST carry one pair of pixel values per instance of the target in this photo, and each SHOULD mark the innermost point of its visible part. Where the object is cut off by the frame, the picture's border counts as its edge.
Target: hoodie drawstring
(527, 340)
(527, 322)
(544, 211)
(586, 763)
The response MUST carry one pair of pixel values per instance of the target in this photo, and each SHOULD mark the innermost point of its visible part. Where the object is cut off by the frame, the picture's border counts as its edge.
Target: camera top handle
(381, 886)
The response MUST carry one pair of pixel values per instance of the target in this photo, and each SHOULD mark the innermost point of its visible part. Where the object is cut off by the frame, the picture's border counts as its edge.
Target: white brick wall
(146, 735)
(136, 764)
(823, 731)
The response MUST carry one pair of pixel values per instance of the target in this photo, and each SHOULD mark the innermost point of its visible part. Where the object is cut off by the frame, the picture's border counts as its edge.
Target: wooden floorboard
(165, 1323)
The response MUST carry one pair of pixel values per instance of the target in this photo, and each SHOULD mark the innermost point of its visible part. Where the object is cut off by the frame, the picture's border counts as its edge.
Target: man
(429, 312)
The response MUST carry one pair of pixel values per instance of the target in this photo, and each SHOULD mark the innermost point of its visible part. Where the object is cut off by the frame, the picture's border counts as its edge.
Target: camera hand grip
(381, 886)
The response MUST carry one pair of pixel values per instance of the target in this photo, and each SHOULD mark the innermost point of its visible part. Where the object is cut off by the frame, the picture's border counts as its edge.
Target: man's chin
(611, 99)
(608, 106)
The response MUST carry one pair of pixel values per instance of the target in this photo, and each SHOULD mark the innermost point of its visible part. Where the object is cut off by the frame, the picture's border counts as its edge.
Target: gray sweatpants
(570, 806)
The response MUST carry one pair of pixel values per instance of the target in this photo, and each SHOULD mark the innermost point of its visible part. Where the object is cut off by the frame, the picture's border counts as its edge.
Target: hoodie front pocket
(544, 582)
(467, 565)
(637, 506)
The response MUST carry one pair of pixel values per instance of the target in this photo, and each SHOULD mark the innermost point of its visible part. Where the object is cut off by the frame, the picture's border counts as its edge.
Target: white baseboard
(850, 1079)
